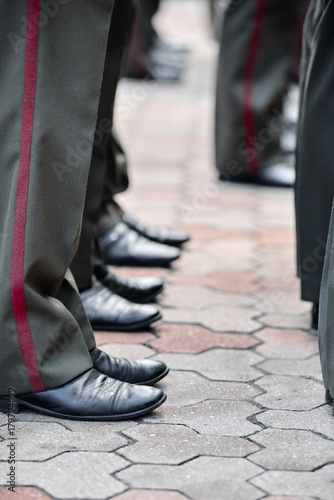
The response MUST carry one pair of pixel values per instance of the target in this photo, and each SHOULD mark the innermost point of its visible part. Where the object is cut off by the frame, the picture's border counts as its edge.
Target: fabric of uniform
(315, 170)
(105, 175)
(258, 40)
(52, 59)
(315, 188)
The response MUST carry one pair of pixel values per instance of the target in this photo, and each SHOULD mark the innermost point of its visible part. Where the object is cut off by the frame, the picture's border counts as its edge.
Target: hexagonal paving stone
(217, 364)
(201, 479)
(319, 420)
(218, 319)
(200, 297)
(150, 495)
(290, 393)
(318, 484)
(292, 450)
(286, 344)
(23, 494)
(73, 475)
(222, 418)
(174, 444)
(302, 321)
(194, 339)
(224, 281)
(128, 350)
(42, 440)
(300, 367)
(280, 301)
(185, 388)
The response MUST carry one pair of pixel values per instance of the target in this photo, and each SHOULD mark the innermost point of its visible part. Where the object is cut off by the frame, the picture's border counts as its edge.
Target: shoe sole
(126, 328)
(154, 380)
(97, 418)
(139, 263)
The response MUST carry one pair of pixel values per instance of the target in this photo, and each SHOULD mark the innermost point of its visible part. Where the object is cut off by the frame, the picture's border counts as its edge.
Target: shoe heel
(8, 405)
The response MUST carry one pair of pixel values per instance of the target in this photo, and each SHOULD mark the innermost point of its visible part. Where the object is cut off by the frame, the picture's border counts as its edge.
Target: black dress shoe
(133, 371)
(124, 246)
(163, 235)
(315, 316)
(91, 396)
(108, 311)
(140, 290)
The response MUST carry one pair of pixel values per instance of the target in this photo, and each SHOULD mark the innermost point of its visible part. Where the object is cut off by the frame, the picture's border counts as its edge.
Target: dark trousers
(255, 67)
(315, 171)
(108, 172)
(51, 71)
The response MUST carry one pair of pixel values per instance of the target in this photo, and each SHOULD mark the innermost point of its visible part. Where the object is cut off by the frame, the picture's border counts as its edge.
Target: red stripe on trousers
(18, 299)
(248, 118)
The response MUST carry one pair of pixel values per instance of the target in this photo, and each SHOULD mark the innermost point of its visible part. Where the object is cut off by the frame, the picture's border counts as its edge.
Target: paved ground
(245, 417)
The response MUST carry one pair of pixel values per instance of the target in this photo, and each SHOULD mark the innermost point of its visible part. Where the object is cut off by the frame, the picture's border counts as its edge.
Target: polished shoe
(164, 235)
(108, 311)
(140, 290)
(278, 175)
(133, 371)
(124, 246)
(315, 316)
(328, 398)
(91, 396)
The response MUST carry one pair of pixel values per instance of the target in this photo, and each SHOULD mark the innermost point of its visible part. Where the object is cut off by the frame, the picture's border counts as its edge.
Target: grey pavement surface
(245, 417)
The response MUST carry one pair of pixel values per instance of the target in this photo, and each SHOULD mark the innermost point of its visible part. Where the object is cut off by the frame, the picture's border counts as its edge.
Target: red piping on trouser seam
(248, 118)
(17, 290)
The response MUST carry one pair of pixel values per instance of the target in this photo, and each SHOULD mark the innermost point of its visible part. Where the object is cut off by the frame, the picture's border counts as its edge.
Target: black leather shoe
(133, 371)
(315, 316)
(328, 398)
(124, 246)
(91, 396)
(140, 290)
(163, 235)
(108, 311)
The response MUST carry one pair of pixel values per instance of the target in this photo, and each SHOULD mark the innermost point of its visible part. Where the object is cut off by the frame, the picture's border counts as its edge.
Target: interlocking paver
(319, 420)
(290, 393)
(302, 321)
(39, 441)
(286, 344)
(200, 297)
(150, 495)
(302, 367)
(221, 418)
(185, 388)
(280, 301)
(23, 493)
(174, 444)
(225, 281)
(202, 478)
(216, 318)
(318, 484)
(73, 475)
(217, 364)
(195, 339)
(292, 450)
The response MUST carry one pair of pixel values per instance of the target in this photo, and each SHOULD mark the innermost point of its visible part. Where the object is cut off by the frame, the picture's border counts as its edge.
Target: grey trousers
(52, 60)
(315, 168)
(255, 65)
(108, 172)
(316, 140)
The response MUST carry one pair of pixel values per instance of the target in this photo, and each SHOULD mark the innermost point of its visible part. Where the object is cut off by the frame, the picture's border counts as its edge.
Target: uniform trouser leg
(51, 74)
(315, 149)
(104, 150)
(254, 69)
